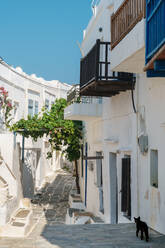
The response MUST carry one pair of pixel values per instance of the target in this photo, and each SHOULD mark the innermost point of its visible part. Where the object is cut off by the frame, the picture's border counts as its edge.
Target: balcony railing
(155, 35)
(73, 96)
(125, 18)
(96, 64)
(96, 77)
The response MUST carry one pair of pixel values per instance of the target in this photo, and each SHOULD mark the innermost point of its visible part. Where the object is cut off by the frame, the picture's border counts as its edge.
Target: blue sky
(40, 36)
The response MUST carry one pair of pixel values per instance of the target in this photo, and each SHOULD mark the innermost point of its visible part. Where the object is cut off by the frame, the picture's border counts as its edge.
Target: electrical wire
(133, 101)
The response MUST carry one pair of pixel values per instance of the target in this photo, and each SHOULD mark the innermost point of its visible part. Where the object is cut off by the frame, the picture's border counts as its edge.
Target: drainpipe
(86, 153)
(137, 151)
(23, 148)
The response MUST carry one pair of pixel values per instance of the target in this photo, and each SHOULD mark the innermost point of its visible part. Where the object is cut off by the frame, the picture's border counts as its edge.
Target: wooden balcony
(96, 78)
(155, 38)
(125, 18)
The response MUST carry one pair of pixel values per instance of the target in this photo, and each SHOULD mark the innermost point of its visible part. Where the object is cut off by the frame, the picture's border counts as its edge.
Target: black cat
(141, 226)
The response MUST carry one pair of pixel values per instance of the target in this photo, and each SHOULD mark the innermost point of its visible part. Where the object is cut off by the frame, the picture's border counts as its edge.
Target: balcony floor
(106, 88)
(83, 111)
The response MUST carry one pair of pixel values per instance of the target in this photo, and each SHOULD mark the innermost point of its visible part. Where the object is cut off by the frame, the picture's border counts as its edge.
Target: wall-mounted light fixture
(100, 29)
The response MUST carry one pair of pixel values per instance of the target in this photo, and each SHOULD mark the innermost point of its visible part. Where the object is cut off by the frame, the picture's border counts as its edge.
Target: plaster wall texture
(117, 4)
(119, 137)
(113, 132)
(119, 123)
(118, 129)
(151, 199)
(22, 87)
(149, 94)
(132, 59)
(99, 20)
(94, 139)
(7, 147)
(12, 161)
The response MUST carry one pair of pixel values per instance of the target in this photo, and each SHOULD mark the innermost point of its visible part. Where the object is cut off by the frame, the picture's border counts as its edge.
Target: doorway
(99, 181)
(126, 187)
(113, 188)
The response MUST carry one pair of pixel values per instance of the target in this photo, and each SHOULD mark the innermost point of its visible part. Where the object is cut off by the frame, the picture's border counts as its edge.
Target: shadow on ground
(98, 236)
(54, 200)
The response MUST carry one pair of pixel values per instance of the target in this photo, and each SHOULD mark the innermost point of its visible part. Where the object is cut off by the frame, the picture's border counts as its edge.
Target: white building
(128, 133)
(24, 167)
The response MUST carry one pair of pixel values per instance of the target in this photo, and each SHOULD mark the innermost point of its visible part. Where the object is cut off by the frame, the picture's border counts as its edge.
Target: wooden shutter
(125, 186)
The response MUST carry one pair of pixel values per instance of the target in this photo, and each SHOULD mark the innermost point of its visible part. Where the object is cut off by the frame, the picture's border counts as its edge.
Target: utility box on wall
(143, 144)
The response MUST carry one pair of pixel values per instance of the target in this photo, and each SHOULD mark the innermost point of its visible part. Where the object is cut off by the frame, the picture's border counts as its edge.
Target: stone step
(21, 222)
(97, 220)
(79, 216)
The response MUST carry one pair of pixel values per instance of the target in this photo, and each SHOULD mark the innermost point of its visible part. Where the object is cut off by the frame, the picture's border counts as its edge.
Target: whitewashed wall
(102, 19)
(22, 87)
(10, 171)
(94, 128)
(151, 199)
(119, 128)
(118, 123)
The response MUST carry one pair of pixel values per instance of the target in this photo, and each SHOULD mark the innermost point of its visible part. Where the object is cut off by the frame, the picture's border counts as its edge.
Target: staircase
(20, 223)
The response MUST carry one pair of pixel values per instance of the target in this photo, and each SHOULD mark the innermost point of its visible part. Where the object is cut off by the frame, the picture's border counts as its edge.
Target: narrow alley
(50, 231)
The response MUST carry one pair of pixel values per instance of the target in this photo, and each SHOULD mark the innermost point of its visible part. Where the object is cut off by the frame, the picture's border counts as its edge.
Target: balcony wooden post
(97, 59)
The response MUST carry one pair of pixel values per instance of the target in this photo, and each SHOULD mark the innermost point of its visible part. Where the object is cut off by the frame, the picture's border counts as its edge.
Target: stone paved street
(50, 231)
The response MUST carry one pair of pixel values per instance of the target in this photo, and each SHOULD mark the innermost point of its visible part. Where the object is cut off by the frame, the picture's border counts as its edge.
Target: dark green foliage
(65, 135)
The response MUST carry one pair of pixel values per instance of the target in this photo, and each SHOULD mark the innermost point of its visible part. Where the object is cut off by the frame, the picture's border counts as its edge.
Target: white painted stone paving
(50, 230)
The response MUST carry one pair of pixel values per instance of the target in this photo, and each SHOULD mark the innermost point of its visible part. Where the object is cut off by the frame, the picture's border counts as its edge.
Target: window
(36, 108)
(47, 104)
(30, 107)
(154, 168)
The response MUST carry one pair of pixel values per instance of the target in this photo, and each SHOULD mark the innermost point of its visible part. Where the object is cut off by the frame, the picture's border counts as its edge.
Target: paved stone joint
(50, 232)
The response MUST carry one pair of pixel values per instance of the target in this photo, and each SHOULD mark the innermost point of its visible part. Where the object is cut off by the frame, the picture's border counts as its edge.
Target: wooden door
(126, 187)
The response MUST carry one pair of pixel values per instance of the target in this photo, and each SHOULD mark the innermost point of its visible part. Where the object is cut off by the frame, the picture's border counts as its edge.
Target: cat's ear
(139, 218)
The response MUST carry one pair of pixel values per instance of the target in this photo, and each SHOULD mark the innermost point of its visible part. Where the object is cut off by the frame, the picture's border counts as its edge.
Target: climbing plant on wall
(63, 135)
(5, 108)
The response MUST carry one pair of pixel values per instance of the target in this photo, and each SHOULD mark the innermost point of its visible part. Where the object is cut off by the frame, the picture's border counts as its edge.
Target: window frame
(30, 106)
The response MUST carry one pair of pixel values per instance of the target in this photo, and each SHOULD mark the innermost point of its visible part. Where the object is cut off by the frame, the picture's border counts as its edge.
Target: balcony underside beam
(106, 88)
(101, 94)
